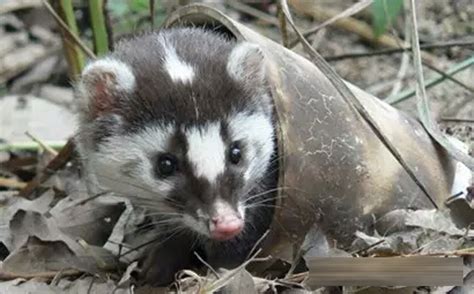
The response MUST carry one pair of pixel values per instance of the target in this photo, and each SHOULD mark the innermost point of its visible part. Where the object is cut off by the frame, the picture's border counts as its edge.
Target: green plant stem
(99, 30)
(432, 82)
(74, 54)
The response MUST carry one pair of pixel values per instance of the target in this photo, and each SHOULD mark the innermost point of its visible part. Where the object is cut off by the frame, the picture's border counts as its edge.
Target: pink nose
(225, 228)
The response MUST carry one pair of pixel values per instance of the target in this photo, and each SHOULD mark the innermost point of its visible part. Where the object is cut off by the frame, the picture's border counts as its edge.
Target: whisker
(177, 230)
(251, 197)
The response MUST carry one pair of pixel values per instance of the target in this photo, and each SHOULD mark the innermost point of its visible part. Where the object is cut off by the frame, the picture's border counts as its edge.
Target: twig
(43, 145)
(108, 25)
(151, 4)
(405, 62)
(283, 28)
(207, 265)
(445, 75)
(301, 252)
(355, 104)
(353, 25)
(456, 119)
(389, 51)
(368, 247)
(422, 101)
(223, 280)
(459, 252)
(346, 13)
(257, 243)
(6, 276)
(64, 26)
(350, 24)
(431, 82)
(11, 183)
(253, 12)
(55, 164)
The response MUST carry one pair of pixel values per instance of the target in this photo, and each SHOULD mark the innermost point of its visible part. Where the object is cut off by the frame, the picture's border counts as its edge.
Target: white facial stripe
(133, 149)
(178, 70)
(257, 131)
(123, 74)
(241, 209)
(223, 208)
(206, 151)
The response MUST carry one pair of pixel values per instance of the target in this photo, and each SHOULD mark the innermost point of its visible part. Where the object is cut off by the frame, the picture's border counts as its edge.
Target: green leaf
(139, 5)
(118, 8)
(383, 13)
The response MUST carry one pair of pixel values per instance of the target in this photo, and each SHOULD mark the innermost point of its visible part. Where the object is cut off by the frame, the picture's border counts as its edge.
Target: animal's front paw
(160, 265)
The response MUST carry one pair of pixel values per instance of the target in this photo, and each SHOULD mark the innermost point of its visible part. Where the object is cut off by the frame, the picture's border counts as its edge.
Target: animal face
(181, 123)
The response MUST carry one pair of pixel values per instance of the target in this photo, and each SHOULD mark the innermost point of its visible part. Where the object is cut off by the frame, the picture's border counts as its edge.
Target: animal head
(181, 123)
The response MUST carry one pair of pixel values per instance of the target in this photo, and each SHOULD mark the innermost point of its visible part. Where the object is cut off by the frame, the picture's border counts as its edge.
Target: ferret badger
(182, 123)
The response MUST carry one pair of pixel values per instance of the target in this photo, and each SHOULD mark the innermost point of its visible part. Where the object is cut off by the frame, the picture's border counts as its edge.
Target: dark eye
(235, 154)
(166, 165)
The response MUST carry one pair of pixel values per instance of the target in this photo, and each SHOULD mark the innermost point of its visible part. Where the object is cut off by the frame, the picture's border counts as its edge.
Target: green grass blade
(74, 54)
(432, 82)
(383, 13)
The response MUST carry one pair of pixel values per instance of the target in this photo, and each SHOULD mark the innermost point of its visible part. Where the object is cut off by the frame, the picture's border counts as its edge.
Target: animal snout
(225, 227)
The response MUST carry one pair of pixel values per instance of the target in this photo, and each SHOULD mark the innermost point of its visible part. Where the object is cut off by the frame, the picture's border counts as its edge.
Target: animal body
(181, 122)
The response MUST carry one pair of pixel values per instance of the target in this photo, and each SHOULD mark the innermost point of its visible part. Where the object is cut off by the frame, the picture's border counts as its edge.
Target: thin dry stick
(458, 67)
(12, 183)
(63, 25)
(448, 77)
(253, 12)
(422, 101)
(47, 148)
(458, 119)
(355, 104)
(56, 163)
(152, 13)
(405, 62)
(257, 243)
(350, 24)
(283, 28)
(225, 278)
(368, 247)
(440, 45)
(6, 276)
(207, 265)
(346, 13)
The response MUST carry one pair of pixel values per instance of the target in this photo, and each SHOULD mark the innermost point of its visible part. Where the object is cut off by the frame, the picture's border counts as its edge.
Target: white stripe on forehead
(206, 151)
(178, 70)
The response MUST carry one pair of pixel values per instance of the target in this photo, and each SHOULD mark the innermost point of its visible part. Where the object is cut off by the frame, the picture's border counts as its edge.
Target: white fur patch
(206, 151)
(178, 70)
(463, 175)
(235, 65)
(241, 209)
(257, 131)
(125, 80)
(196, 225)
(223, 208)
(135, 151)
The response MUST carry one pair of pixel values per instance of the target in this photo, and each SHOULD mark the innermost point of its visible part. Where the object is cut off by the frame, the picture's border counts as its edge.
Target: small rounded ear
(246, 63)
(101, 83)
